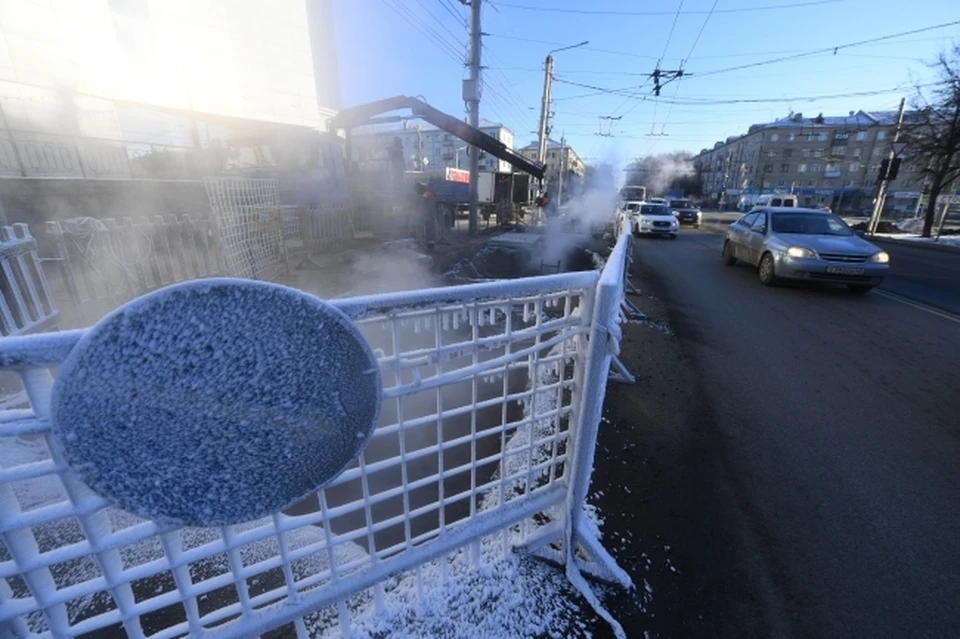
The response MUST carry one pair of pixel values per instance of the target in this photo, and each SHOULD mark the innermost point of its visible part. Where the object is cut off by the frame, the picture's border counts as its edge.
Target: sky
(729, 50)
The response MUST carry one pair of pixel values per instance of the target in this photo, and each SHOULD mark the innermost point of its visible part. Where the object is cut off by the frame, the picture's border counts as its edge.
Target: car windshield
(653, 209)
(682, 204)
(809, 224)
(633, 207)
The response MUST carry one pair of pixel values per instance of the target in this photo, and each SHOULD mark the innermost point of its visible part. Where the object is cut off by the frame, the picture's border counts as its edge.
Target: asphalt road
(827, 429)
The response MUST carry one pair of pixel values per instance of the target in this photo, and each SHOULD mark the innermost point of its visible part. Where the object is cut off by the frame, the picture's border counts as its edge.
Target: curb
(930, 246)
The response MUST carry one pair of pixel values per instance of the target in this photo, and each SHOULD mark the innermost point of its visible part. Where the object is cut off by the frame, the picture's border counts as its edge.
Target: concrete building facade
(825, 160)
(426, 147)
(559, 155)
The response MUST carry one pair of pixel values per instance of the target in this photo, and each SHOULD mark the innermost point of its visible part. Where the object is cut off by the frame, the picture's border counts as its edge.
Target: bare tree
(934, 132)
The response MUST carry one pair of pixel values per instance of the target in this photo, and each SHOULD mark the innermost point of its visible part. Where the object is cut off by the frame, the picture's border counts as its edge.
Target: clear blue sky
(417, 47)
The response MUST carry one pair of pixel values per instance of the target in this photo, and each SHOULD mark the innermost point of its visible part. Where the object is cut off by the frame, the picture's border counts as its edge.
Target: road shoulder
(671, 515)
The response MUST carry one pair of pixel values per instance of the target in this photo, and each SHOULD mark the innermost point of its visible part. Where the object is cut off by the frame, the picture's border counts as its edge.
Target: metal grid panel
(105, 263)
(26, 305)
(480, 397)
(251, 224)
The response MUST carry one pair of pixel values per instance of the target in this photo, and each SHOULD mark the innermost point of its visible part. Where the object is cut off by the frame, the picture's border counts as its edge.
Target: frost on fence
(105, 263)
(251, 225)
(472, 456)
(26, 304)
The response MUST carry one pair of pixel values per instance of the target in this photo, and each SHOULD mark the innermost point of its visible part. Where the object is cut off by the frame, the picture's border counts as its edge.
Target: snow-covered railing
(26, 305)
(491, 399)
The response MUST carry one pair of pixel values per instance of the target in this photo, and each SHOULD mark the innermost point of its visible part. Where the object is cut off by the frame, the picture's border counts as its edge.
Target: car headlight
(675, 213)
(799, 251)
(880, 258)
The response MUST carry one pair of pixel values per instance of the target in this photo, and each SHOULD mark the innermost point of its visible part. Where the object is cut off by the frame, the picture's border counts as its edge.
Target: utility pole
(563, 157)
(882, 190)
(419, 148)
(545, 109)
(471, 95)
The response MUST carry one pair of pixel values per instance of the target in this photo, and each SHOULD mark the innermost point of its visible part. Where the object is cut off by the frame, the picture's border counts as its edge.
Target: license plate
(844, 270)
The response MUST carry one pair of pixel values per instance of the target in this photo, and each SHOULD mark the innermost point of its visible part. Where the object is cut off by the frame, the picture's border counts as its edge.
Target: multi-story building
(832, 160)
(559, 156)
(426, 147)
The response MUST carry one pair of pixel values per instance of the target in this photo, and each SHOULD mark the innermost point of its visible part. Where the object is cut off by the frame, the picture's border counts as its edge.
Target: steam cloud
(660, 172)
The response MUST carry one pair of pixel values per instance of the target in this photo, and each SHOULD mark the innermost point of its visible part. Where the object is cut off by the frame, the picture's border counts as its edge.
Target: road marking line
(923, 307)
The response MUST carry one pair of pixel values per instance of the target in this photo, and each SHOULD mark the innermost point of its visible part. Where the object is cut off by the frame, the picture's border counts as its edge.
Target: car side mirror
(860, 232)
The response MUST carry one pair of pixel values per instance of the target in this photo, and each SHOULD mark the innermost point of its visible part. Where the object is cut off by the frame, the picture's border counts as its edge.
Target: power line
(452, 11)
(432, 36)
(720, 101)
(602, 12)
(676, 89)
(456, 38)
(560, 44)
(828, 49)
(710, 56)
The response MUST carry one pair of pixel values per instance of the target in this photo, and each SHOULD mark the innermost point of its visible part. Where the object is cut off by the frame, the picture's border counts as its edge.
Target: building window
(861, 136)
(822, 137)
(811, 182)
(811, 137)
(784, 168)
(818, 153)
(881, 135)
(874, 167)
(805, 153)
(768, 168)
(855, 153)
(781, 183)
(774, 137)
(771, 154)
(877, 152)
(854, 166)
(791, 137)
(787, 153)
(801, 168)
(839, 151)
(816, 168)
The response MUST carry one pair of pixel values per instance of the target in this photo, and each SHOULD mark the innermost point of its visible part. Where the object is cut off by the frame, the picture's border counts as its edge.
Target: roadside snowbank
(945, 240)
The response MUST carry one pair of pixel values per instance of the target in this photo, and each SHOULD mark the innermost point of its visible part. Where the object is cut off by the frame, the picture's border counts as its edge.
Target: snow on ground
(945, 240)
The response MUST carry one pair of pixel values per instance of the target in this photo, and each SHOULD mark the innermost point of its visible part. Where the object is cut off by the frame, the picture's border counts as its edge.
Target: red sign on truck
(458, 175)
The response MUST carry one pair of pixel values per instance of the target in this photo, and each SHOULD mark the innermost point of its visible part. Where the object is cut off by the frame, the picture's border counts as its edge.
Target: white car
(654, 219)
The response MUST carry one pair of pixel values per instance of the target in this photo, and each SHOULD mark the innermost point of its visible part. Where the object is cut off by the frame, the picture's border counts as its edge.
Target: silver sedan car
(804, 244)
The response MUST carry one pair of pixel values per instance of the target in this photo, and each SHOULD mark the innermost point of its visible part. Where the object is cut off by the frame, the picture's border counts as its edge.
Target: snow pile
(510, 597)
(944, 240)
(910, 225)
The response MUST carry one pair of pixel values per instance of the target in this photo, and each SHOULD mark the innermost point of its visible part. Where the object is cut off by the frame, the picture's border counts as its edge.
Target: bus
(633, 193)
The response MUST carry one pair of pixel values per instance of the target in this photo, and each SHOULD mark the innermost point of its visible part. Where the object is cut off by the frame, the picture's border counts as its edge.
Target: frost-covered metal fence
(26, 304)
(492, 395)
(105, 263)
(309, 231)
(250, 224)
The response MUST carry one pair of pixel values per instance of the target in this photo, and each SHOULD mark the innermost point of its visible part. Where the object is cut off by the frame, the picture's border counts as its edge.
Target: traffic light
(889, 170)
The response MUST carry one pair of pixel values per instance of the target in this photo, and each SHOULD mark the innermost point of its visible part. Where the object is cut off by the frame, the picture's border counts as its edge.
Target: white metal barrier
(26, 305)
(491, 404)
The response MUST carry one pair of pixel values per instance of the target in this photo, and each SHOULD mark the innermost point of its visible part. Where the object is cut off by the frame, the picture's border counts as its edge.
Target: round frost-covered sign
(216, 401)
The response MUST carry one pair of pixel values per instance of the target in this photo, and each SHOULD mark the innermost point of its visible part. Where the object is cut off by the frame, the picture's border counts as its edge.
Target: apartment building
(559, 155)
(825, 160)
(426, 147)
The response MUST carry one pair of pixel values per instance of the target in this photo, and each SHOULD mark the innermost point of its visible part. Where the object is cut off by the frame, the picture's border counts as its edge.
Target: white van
(776, 199)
